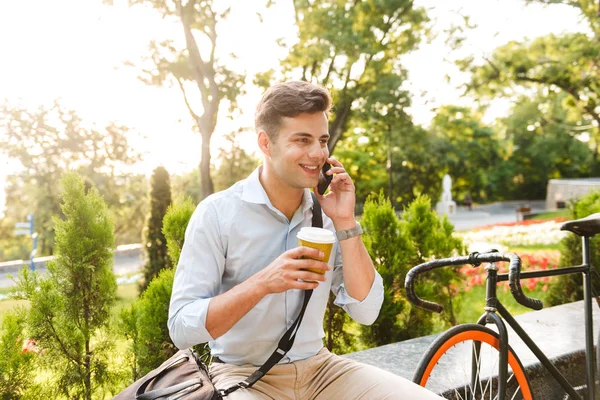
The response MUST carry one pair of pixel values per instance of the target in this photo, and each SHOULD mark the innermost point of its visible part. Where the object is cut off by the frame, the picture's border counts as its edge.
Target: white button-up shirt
(231, 236)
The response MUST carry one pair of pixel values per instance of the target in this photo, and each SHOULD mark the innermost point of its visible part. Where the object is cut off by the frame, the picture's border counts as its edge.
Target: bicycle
(482, 345)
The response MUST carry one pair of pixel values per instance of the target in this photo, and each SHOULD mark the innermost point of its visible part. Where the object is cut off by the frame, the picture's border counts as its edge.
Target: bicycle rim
(447, 366)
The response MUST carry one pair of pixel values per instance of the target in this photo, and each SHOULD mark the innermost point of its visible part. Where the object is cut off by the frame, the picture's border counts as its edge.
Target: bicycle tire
(454, 343)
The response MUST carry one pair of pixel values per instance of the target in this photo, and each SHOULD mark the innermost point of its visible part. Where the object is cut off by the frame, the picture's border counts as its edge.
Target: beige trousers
(325, 376)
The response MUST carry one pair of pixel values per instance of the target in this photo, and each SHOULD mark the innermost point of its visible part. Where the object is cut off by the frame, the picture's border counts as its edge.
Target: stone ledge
(558, 331)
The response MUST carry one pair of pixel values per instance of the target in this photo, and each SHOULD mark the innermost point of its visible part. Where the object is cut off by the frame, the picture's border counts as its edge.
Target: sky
(75, 51)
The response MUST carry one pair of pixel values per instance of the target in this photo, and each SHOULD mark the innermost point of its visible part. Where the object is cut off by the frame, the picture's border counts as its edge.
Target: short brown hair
(289, 99)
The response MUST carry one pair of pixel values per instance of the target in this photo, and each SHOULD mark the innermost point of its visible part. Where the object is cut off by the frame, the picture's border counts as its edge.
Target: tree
(346, 46)
(540, 142)
(471, 151)
(70, 306)
(50, 141)
(197, 65)
(564, 63)
(397, 155)
(156, 244)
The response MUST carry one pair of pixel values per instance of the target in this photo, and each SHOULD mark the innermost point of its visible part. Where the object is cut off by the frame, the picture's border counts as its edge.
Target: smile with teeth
(310, 167)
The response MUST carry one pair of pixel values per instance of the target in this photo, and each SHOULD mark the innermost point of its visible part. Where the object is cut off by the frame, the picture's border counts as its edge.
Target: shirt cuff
(366, 311)
(188, 327)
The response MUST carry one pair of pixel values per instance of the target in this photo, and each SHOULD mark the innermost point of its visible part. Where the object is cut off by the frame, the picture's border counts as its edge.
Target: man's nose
(318, 151)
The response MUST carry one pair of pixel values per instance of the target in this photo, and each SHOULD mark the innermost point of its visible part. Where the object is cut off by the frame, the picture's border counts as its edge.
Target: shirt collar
(254, 192)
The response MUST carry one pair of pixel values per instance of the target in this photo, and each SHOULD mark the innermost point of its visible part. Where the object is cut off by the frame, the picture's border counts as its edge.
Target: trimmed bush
(396, 245)
(568, 288)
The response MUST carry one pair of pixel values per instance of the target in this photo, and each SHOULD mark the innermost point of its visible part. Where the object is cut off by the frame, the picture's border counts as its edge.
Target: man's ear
(264, 143)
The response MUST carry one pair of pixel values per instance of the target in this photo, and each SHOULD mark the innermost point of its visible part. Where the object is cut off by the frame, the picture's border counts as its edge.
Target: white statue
(446, 205)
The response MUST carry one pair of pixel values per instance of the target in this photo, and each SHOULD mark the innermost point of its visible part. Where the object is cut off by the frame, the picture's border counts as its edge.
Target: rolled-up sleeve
(364, 312)
(197, 279)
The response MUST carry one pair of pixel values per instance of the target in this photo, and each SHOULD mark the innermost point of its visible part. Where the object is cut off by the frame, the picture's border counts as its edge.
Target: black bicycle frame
(493, 306)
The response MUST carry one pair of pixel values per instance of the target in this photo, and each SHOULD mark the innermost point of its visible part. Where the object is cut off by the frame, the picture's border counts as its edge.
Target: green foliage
(157, 258)
(388, 244)
(337, 339)
(564, 63)
(145, 322)
(17, 365)
(471, 151)
(174, 225)
(353, 48)
(568, 288)
(541, 143)
(396, 245)
(432, 236)
(70, 306)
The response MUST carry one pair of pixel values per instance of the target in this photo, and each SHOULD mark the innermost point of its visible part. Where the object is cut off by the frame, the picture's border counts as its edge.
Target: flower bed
(525, 233)
(532, 261)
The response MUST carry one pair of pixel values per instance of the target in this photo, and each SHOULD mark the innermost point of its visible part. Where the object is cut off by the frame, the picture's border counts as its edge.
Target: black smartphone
(324, 179)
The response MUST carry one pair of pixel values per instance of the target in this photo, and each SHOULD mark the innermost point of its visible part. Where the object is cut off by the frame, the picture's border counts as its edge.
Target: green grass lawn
(471, 303)
(564, 213)
(533, 247)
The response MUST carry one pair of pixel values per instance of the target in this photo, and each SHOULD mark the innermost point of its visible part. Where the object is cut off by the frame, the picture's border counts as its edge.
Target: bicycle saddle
(588, 226)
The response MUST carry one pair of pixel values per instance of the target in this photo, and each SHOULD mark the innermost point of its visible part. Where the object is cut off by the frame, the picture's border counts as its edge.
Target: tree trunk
(337, 126)
(88, 372)
(206, 183)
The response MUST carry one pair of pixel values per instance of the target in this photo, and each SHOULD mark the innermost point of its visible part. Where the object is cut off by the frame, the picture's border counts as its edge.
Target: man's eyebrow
(306, 134)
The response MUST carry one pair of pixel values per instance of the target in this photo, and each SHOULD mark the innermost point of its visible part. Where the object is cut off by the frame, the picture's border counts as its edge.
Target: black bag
(185, 377)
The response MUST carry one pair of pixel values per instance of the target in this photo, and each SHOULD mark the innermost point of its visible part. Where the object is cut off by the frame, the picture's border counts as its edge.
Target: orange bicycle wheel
(447, 366)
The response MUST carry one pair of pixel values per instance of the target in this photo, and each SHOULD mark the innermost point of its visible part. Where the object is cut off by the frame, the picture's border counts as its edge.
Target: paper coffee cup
(317, 238)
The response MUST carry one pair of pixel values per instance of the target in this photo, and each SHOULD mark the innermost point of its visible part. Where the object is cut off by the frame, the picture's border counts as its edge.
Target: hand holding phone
(324, 179)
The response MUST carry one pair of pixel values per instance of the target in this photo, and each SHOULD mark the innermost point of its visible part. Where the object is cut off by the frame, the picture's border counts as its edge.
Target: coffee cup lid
(317, 235)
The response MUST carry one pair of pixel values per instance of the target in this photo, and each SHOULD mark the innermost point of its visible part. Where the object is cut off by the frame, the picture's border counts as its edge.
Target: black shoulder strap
(287, 340)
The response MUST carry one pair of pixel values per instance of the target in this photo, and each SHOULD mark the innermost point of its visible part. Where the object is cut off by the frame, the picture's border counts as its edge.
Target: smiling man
(241, 277)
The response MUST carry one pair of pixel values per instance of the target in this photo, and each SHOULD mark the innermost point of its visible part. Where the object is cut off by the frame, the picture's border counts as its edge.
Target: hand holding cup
(317, 238)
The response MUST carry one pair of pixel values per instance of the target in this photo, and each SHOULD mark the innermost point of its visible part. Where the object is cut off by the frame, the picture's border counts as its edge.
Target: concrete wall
(564, 190)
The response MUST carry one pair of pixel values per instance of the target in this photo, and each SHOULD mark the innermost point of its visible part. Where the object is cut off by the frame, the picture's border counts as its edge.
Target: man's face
(300, 150)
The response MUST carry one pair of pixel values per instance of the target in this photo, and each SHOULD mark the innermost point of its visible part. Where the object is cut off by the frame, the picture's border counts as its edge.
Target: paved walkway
(489, 214)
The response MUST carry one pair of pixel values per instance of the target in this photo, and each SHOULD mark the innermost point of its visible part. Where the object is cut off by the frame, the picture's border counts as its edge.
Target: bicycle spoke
(477, 375)
(483, 391)
(458, 394)
(490, 381)
(516, 392)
